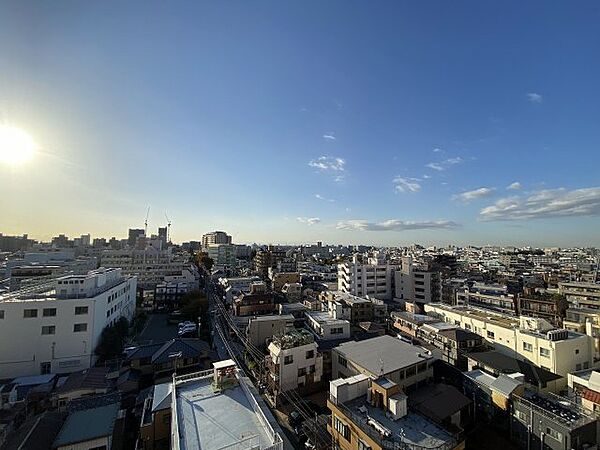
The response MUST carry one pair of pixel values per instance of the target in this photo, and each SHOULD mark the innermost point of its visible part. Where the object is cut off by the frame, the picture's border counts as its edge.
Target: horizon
(334, 122)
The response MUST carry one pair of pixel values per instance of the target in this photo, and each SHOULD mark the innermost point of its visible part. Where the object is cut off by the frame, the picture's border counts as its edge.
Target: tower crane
(146, 222)
(168, 228)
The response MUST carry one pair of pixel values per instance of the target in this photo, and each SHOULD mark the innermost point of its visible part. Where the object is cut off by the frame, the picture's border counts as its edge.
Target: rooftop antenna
(168, 228)
(381, 371)
(146, 222)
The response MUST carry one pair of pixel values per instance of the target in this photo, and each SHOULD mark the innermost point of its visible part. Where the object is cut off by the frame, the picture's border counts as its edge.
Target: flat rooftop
(212, 420)
(394, 353)
(323, 317)
(412, 429)
(481, 314)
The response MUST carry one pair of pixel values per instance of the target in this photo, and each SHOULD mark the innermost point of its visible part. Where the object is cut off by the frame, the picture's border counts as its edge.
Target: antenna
(168, 228)
(146, 222)
(381, 369)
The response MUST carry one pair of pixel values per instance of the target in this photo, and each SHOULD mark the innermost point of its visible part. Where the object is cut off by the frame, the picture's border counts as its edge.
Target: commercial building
(407, 365)
(557, 350)
(220, 409)
(373, 278)
(56, 326)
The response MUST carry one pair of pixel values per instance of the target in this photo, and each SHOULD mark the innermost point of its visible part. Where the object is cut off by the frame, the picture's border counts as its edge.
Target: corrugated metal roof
(87, 424)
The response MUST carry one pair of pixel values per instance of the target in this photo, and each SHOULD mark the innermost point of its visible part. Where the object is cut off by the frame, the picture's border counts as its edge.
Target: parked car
(183, 324)
(295, 419)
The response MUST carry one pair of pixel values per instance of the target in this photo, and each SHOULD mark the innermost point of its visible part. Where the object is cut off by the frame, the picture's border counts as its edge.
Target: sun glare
(16, 146)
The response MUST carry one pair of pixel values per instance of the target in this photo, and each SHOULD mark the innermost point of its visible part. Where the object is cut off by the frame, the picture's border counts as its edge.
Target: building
(417, 285)
(551, 422)
(279, 279)
(581, 295)
(58, 324)
(409, 323)
(263, 328)
(88, 429)
(488, 296)
(373, 278)
(85, 383)
(256, 302)
(585, 386)
(373, 413)
(294, 362)
(326, 327)
(151, 265)
(216, 237)
(453, 342)
(550, 307)
(155, 427)
(342, 305)
(220, 409)
(273, 258)
(407, 365)
(133, 235)
(557, 350)
(170, 294)
(223, 255)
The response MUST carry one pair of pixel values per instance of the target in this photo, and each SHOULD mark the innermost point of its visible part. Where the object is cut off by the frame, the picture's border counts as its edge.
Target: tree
(112, 340)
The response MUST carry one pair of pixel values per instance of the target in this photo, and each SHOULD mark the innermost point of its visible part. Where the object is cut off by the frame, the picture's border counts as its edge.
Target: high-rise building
(373, 278)
(216, 237)
(133, 235)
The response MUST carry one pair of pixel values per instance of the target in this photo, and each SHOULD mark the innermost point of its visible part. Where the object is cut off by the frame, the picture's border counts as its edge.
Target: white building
(416, 285)
(327, 327)
(534, 339)
(151, 265)
(373, 278)
(294, 362)
(55, 327)
(216, 237)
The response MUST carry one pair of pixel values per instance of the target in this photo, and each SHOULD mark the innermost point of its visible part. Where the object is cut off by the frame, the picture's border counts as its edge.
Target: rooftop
(323, 317)
(87, 424)
(412, 429)
(213, 419)
(393, 353)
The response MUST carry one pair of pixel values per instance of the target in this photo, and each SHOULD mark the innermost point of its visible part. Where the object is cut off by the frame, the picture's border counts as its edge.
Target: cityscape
(299, 225)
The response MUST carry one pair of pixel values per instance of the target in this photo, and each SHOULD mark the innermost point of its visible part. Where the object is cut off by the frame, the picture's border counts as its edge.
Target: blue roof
(87, 424)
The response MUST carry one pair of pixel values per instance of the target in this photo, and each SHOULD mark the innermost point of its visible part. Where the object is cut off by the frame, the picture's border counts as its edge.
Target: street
(157, 330)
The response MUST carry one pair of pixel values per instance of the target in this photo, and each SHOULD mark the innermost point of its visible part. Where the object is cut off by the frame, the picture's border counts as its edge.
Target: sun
(16, 146)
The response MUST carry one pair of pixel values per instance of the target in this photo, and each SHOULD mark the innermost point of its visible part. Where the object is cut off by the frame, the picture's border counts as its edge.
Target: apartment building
(223, 255)
(342, 305)
(558, 350)
(151, 265)
(326, 327)
(407, 365)
(215, 237)
(261, 329)
(56, 326)
(373, 413)
(373, 277)
(417, 285)
(581, 295)
(294, 362)
(489, 296)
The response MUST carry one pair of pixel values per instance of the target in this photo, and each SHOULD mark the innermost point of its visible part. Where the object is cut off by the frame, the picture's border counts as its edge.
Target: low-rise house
(257, 302)
(453, 342)
(155, 427)
(85, 383)
(36, 433)
(409, 323)
(263, 328)
(88, 429)
(585, 386)
(162, 359)
(326, 327)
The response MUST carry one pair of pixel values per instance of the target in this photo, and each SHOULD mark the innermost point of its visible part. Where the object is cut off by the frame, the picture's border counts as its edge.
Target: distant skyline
(344, 122)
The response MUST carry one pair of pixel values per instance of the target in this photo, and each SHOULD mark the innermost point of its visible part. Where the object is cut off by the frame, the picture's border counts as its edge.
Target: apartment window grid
(48, 329)
(342, 428)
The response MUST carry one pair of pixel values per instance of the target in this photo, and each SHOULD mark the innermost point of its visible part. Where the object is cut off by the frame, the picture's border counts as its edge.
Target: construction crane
(146, 222)
(168, 228)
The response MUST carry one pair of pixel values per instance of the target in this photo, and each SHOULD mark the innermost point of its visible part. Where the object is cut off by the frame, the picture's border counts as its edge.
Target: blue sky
(353, 122)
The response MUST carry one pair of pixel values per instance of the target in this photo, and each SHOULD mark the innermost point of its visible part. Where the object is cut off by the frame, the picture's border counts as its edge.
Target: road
(157, 330)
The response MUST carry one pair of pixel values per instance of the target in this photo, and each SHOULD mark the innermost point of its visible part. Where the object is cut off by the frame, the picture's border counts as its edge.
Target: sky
(382, 123)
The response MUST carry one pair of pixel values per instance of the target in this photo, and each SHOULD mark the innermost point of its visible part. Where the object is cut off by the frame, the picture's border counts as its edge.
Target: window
(288, 359)
(79, 327)
(338, 330)
(310, 354)
(311, 369)
(411, 371)
(50, 329)
(527, 347)
(1, 314)
(422, 367)
(302, 371)
(490, 334)
(577, 351)
(545, 352)
(45, 368)
(29, 313)
(521, 416)
(554, 434)
(80, 310)
(578, 366)
(362, 445)
(342, 428)
(49, 312)
(342, 361)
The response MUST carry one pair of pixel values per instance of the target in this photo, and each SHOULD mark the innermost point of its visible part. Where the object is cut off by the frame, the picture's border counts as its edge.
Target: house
(88, 382)
(88, 429)
(155, 428)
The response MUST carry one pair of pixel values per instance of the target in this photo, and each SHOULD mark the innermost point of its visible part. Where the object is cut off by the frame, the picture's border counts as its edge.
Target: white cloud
(514, 186)
(437, 150)
(402, 184)
(328, 163)
(308, 220)
(325, 199)
(445, 164)
(395, 225)
(469, 196)
(545, 203)
(534, 97)
(329, 136)
(426, 177)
